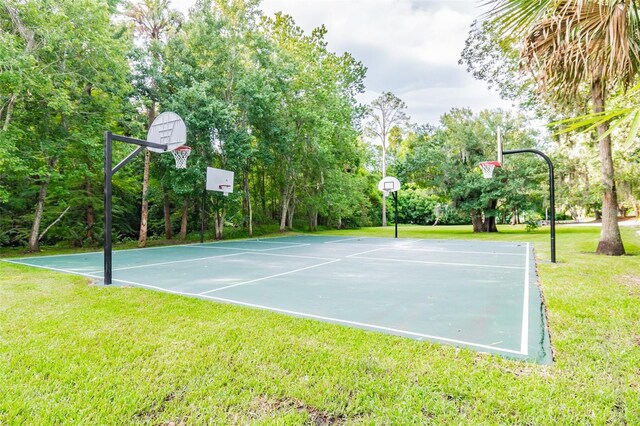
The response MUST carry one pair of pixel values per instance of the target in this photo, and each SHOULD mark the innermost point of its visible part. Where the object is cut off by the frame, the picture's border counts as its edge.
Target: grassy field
(72, 353)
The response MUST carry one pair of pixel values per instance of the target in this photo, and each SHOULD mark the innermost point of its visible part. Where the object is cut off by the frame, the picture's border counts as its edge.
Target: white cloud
(409, 47)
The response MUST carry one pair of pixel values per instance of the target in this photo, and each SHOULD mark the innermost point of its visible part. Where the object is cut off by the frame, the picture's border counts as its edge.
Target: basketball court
(479, 295)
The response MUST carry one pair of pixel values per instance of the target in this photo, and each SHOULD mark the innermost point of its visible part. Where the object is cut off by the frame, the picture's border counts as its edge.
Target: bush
(532, 221)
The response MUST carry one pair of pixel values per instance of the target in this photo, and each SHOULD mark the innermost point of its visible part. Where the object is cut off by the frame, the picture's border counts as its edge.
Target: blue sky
(410, 47)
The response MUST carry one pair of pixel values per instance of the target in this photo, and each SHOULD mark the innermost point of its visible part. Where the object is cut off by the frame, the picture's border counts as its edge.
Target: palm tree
(577, 45)
(154, 22)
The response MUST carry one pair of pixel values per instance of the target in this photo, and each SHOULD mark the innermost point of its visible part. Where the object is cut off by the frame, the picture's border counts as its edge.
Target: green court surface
(479, 295)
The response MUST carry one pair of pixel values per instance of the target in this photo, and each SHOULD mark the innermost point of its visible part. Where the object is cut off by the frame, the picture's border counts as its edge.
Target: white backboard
(389, 184)
(219, 180)
(167, 129)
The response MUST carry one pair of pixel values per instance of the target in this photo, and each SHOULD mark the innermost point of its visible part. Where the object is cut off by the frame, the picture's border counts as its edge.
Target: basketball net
(488, 167)
(181, 154)
(225, 189)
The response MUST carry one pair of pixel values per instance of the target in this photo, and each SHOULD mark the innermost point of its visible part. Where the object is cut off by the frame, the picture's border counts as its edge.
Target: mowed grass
(73, 353)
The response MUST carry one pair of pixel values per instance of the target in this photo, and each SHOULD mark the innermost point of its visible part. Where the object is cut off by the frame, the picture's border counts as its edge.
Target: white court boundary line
(344, 239)
(50, 268)
(143, 248)
(407, 242)
(270, 276)
(299, 256)
(457, 251)
(277, 242)
(524, 341)
(366, 241)
(362, 324)
(363, 252)
(171, 262)
(91, 274)
(248, 250)
(478, 265)
(289, 312)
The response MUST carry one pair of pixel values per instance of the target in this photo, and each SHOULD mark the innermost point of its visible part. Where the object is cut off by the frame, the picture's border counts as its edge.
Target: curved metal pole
(551, 194)
(108, 175)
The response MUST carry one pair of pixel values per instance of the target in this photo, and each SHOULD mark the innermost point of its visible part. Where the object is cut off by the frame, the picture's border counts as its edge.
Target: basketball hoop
(225, 189)
(488, 167)
(181, 154)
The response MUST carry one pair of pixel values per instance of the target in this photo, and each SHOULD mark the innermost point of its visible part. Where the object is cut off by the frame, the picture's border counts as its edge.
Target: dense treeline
(259, 97)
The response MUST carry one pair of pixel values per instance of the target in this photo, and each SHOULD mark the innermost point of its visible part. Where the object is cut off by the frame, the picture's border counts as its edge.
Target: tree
(386, 112)
(154, 22)
(569, 44)
(445, 161)
(58, 98)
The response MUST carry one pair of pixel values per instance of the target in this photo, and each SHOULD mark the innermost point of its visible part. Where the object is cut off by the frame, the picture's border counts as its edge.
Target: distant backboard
(219, 180)
(389, 184)
(167, 129)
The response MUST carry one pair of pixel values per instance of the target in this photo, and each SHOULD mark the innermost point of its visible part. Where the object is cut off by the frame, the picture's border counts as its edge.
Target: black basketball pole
(395, 201)
(108, 176)
(202, 215)
(551, 194)
(107, 207)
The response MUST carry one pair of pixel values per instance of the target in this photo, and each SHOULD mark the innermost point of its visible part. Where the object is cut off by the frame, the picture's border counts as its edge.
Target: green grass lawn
(74, 353)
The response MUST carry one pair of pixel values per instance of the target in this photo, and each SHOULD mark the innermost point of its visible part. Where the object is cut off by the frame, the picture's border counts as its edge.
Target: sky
(410, 48)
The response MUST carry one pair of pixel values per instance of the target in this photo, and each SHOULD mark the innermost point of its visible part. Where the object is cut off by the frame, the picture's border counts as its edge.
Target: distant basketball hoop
(488, 167)
(391, 185)
(219, 180)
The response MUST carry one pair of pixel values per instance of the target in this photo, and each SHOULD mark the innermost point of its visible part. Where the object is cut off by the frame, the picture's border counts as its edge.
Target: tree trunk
(144, 217)
(313, 219)
(35, 228)
(290, 215)
(489, 224)
(514, 217)
(610, 240)
(384, 174)
(219, 217)
(286, 200)
(29, 37)
(246, 201)
(574, 214)
(263, 192)
(34, 236)
(9, 112)
(167, 213)
(622, 211)
(476, 221)
(250, 219)
(183, 221)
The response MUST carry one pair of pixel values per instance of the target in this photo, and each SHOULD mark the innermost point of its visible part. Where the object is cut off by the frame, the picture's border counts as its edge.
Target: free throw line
(270, 276)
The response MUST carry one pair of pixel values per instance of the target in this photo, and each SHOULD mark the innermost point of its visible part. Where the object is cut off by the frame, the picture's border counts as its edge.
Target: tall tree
(385, 112)
(154, 21)
(60, 99)
(572, 43)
